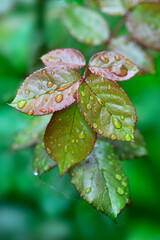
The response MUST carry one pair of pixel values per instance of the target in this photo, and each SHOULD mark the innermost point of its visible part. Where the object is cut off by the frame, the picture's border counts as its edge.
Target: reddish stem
(85, 73)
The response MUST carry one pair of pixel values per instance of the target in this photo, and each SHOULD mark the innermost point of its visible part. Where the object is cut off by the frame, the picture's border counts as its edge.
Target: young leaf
(133, 52)
(86, 25)
(107, 108)
(100, 180)
(31, 134)
(68, 138)
(65, 56)
(112, 65)
(127, 151)
(47, 90)
(143, 24)
(42, 161)
(116, 7)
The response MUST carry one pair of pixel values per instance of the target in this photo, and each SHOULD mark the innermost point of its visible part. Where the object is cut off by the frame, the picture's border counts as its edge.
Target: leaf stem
(114, 32)
(84, 74)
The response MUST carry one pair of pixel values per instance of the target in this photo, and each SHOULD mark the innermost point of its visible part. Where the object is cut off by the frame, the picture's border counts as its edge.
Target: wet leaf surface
(100, 180)
(133, 52)
(68, 138)
(112, 65)
(47, 90)
(143, 24)
(107, 108)
(86, 25)
(65, 56)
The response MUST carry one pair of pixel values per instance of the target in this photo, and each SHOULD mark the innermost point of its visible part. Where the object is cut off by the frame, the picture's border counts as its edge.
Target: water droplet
(122, 117)
(73, 141)
(35, 172)
(82, 101)
(76, 140)
(52, 72)
(104, 59)
(113, 137)
(30, 112)
(39, 87)
(41, 80)
(128, 137)
(116, 122)
(118, 177)
(88, 190)
(83, 94)
(94, 125)
(102, 80)
(66, 148)
(122, 72)
(82, 135)
(91, 98)
(26, 84)
(62, 68)
(97, 86)
(49, 151)
(109, 87)
(100, 101)
(59, 98)
(124, 109)
(124, 183)
(117, 58)
(132, 118)
(89, 106)
(20, 93)
(27, 91)
(21, 104)
(64, 87)
(85, 114)
(100, 131)
(120, 190)
(43, 72)
(132, 131)
(49, 84)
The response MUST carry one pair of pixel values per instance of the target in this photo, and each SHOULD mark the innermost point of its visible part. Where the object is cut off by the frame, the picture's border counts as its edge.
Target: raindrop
(128, 137)
(27, 91)
(59, 98)
(100, 101)
(64, 87)
(120, 190)
(122, 72)
(104, 59)
(124, 109)
(124, 184)
(117, 58)
(88, 190)
(102, 80)
(82, 135)
(35, 172)
(122, 117)
(113, 137)
(91, 98)
(116, 122)
(85, 114)
(109, 87)
(97, 86)
(94, 125)
(21, 104)
(118, 177)
(73, 141)
(89, 106)
(83, 94)
(43, 72)
(66, 148)
(49, 84)
(48, 150)
(30, 112)
(100, 131)
(52, 72)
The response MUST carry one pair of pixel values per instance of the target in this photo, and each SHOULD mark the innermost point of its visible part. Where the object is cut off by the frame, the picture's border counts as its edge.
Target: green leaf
(116, 7)
(47, 90)
(42, 162)
(31, 134)
(128, 151)
(68, 138)
(143, 24)
(107, 108)
(101, 181)
(133, 52)
(86, 25)
(112, 65)
(65, 56)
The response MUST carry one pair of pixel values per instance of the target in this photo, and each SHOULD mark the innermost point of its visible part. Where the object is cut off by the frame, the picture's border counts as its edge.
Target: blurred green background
(49, 207)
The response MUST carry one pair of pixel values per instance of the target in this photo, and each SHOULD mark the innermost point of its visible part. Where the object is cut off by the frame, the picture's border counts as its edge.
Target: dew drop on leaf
(66, 148)
(88, 190)
(64, 87)
(109, 87)
(27, 91)
(104, 59)
(49, 151)
(43, 72)
(94, 125)
(116, 122)
(120, 190)
(117, 58)
(21, 104)
(128, 137)
(113, 137)
(59, 98)
(35, 172)
(122, 117)
(100, 101)
(122, 72)
(30, 112)
(49, 84)
(118, 177)
(81, 135)
(89, 106)
(124, 184)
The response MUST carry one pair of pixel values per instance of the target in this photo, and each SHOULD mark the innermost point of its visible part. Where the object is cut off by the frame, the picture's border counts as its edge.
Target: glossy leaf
(65, 56)
(42, 162)
(47, 90)
(107, 108)
(100, 180)
(86, 25)
(112, 65)
(127, 151)
(116, 7)
(143, 24)
(68, 138)
(133, 52)
(31, 134)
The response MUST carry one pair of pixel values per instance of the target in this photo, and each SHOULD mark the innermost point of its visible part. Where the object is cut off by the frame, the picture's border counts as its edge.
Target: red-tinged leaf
(47, 90)
(86, 25)
(112, 66)
(143, 24)
(68, 138)
(133, 52)
(65, 56)
(107, 108)
(100, 180)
